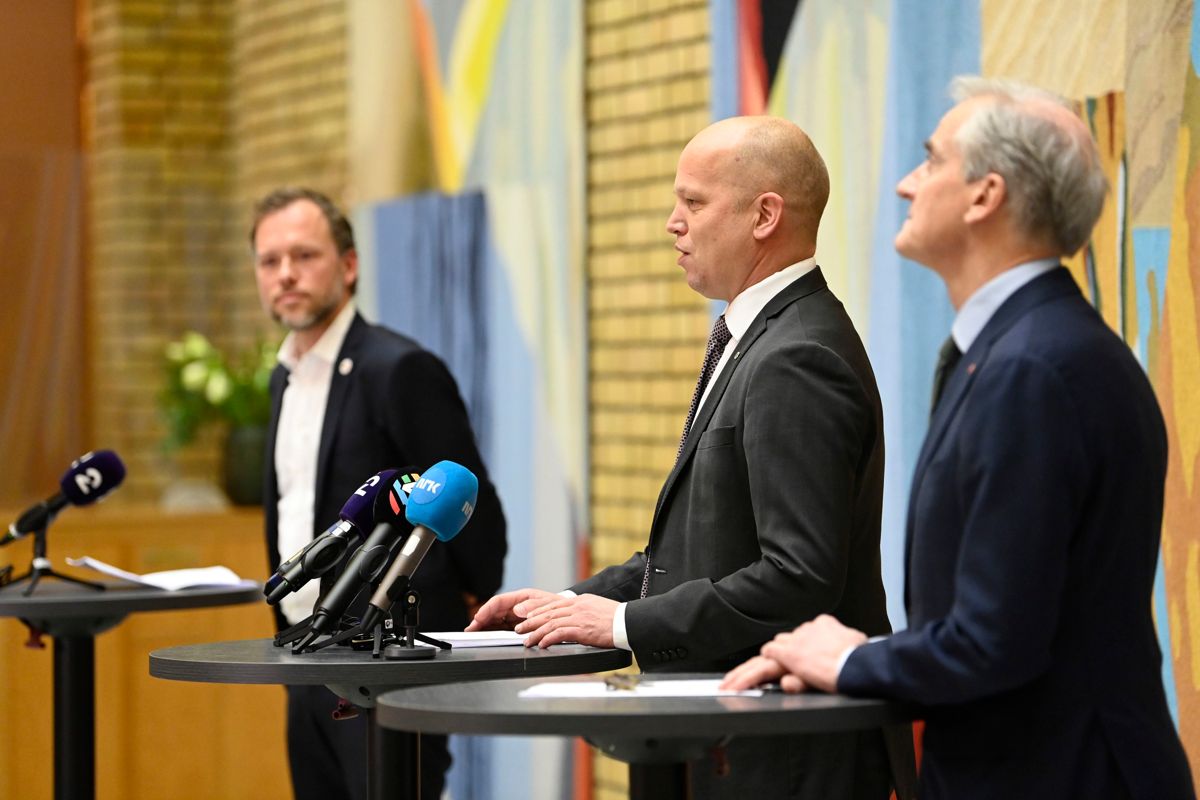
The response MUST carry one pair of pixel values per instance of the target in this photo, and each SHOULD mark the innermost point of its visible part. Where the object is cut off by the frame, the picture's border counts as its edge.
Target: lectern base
(398, 652)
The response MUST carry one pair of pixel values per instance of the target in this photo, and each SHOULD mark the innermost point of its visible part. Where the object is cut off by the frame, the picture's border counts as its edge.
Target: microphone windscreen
(443, 499)
(91, 476)
(359, 510)
(390, 505)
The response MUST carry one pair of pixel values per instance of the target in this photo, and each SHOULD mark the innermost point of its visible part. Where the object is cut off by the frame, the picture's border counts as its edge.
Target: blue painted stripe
(910, 314)
(723, 68)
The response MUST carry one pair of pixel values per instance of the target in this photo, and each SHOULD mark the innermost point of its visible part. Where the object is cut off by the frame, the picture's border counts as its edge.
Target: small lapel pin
(971, 368)
(345, 365)
(735, 355)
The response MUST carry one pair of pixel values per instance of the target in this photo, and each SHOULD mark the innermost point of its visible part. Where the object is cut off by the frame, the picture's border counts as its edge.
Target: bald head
(1045, 153)
(767, 154)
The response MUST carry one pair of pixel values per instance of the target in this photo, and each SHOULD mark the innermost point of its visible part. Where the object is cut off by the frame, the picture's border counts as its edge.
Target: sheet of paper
(479, 638)
(171, 579)
(644, 688)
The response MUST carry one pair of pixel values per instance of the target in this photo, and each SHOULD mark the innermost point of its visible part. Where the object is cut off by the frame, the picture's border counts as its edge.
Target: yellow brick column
(647, 90)
(158, 170)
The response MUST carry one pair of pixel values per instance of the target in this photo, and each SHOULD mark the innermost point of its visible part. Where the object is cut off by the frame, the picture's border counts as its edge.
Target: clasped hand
(549, 618)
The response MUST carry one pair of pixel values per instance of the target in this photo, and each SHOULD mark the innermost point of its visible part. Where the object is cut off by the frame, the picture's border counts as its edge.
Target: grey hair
(1055, 182)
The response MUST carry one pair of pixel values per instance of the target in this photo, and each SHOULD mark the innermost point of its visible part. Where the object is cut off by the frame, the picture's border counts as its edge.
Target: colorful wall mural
(467, 170)
(482, 149)
(868, 82)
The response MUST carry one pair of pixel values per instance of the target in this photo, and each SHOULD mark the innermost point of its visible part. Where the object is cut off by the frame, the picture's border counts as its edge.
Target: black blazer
(1032, 540)
(771, 515)
(398, 407)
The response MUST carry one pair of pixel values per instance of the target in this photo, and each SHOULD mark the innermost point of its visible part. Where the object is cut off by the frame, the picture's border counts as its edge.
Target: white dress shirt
(297, 442)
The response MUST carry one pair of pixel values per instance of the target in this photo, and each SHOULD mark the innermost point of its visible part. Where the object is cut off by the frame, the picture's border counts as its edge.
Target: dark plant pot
(244, 459)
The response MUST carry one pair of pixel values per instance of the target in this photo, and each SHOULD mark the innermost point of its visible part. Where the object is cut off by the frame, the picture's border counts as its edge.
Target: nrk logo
(427, 485)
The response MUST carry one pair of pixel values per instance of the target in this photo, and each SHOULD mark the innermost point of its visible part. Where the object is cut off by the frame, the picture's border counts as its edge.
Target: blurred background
(509, 167)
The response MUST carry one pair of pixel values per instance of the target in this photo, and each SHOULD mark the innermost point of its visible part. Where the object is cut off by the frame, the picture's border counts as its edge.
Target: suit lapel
(1054, 284)
(339, 386)
(804, 285)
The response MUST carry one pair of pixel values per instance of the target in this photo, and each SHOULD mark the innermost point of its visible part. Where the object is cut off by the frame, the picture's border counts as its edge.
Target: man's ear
(769, 214)
(987, 195)
(350, 259)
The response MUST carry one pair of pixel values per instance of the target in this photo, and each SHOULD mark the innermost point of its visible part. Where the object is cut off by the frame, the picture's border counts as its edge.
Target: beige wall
(43, 413)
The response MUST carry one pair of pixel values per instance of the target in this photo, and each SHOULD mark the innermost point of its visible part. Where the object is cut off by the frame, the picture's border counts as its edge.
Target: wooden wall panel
(154, 738)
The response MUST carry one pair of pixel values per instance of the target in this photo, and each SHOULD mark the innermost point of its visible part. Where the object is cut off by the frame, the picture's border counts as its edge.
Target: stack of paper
(171, 579)
(643, 688)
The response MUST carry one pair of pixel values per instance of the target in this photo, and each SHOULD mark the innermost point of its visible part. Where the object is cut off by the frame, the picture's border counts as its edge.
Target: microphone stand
(40, 567)
(404, 648)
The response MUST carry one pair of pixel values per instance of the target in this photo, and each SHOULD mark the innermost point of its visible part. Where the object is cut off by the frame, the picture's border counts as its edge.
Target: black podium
(73, 615)
(360, 679)
(655, 735)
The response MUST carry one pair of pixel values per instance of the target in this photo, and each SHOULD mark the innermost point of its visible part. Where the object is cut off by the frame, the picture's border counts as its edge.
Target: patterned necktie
(948, 357)
(717, 339)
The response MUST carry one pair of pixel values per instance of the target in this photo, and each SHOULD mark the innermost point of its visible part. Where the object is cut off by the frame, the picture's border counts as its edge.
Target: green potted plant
(204, 387)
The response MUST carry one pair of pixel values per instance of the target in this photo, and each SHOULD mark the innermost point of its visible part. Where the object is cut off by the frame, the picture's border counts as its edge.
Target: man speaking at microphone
(349, 399)
(771, 513)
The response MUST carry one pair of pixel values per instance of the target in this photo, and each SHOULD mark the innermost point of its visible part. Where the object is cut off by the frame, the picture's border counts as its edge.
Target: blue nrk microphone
(89, 478)
(369, 561)
(325, 551)
(440, 505)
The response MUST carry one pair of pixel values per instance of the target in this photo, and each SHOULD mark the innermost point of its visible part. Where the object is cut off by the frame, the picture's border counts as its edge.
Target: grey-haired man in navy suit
(1036, 503)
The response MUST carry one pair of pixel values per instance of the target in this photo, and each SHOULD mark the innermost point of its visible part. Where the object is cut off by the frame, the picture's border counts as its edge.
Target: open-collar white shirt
(297, 444)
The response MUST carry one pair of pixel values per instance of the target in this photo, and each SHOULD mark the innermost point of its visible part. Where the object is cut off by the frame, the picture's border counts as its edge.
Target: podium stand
(358, 678)
(73, 615)
(656, 736)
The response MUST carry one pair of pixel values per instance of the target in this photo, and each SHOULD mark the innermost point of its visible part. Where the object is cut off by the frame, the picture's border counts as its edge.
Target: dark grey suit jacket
(771, 515)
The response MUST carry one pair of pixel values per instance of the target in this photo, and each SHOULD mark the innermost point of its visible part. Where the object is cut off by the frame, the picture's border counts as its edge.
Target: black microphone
(369, 561)
(89, 478)
(441, 504)
(325, 551)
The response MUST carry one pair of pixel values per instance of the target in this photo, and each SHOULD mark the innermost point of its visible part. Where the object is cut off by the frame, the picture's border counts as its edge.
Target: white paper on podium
(706, 687)
(171, 579)
(479, 638)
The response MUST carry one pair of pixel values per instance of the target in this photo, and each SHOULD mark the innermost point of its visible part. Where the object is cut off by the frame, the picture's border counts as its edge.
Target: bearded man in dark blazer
(771, 513)
(350, 399)
(1036, 504)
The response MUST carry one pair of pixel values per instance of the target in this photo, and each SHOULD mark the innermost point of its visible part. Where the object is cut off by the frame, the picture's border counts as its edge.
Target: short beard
(310, 321)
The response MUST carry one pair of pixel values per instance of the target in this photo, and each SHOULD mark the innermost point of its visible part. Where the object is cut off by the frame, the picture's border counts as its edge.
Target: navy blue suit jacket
(398, 407)
(1032, 541)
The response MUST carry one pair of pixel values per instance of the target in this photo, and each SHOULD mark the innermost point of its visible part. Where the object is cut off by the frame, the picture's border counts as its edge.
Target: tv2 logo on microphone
(88, 479)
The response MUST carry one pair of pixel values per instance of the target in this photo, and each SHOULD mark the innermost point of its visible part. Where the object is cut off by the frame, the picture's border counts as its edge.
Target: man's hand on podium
(549, 618)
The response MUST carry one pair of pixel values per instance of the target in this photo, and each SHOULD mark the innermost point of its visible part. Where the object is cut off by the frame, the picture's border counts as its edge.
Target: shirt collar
(981, 305)
(742, 310)
(327, 347)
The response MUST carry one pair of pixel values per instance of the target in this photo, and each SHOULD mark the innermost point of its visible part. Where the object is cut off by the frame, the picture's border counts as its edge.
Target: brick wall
(191, 111)
(647, 90)
(289, 101)
(155, 122)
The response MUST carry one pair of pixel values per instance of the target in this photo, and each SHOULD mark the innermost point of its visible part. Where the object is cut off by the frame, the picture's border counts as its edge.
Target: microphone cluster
(405, 513)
